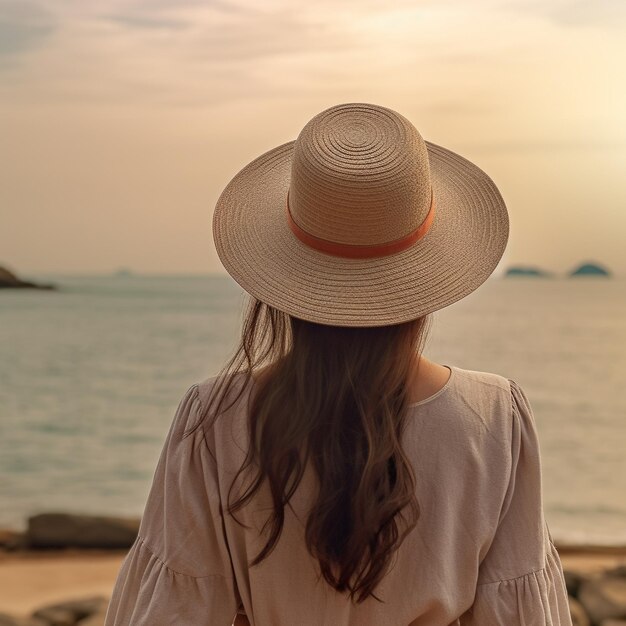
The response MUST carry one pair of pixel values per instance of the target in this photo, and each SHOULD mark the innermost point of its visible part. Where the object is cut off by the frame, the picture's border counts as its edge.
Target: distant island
(584, 269)
(8, 280)
(590, 269)
(520, 270)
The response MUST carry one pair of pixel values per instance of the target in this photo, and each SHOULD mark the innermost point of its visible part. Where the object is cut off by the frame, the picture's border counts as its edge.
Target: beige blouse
(481, 554)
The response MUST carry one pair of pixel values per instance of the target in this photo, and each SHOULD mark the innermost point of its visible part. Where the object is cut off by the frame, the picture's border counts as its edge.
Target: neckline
(437, 393)
(251, 381)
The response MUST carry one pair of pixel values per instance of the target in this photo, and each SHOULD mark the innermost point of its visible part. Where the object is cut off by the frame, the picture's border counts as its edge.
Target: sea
(91, 374)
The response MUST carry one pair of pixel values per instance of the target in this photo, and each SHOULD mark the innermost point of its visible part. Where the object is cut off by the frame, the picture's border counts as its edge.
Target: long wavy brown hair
(335, 397)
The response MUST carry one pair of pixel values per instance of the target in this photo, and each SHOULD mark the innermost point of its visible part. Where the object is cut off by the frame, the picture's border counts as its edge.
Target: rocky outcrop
(9, 280)
(578, 613)
(573, 581)
(63, 530)
(83, 612)
(71, 612)
(97, 619)
(604, 598)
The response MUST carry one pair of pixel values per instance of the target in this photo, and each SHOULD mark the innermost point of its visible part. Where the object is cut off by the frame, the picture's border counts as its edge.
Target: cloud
(456, 107)
(178, 53)
(596, 12)
(163, 14)
(605, 13)
(23, 25)
(140, 21)
(542, 147)
(150, 6)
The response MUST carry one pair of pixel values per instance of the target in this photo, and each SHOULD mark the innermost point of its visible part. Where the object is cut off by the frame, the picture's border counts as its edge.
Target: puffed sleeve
(521, 580)
(178, 571)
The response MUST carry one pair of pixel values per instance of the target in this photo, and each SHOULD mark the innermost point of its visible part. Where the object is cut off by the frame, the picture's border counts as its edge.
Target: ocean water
(90, 377)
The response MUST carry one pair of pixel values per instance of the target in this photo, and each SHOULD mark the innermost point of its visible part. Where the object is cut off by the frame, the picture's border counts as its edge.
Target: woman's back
(481, 552)
(305, 485)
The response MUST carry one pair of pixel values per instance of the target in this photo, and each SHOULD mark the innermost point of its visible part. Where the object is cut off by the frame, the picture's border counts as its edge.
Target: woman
(332, 475)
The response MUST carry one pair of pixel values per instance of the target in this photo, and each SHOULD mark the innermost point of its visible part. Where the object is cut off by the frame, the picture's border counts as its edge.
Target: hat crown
(360, 176)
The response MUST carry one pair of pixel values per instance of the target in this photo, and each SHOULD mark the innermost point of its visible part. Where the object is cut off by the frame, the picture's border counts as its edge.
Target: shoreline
(65, 563)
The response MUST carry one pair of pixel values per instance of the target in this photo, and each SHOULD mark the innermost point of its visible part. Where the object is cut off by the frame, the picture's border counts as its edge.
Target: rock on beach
(604, 597)
(64, 530)
(71, 612)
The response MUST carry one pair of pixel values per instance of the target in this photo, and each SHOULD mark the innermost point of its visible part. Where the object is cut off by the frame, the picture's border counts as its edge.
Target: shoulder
(205, 389)
(485, 393)
(224, 405)
(496, 403)
(484, 404)
(482, 382)
(230, 388)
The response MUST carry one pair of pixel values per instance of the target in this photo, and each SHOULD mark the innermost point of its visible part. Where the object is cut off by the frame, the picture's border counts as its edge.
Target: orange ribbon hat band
(351, 251)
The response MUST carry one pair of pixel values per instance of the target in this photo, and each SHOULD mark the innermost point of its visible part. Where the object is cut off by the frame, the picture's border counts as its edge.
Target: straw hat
(360, 222)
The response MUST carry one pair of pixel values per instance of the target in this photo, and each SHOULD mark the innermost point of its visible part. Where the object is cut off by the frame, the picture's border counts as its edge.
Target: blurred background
(120, 123)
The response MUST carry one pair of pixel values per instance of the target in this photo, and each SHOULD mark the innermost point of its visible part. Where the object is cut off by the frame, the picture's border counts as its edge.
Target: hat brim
(258, 249)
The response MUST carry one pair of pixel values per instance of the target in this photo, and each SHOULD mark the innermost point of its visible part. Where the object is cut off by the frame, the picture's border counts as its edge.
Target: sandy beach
(31, 579)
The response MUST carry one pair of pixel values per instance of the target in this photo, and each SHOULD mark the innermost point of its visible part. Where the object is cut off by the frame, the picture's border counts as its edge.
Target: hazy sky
(121, 121)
